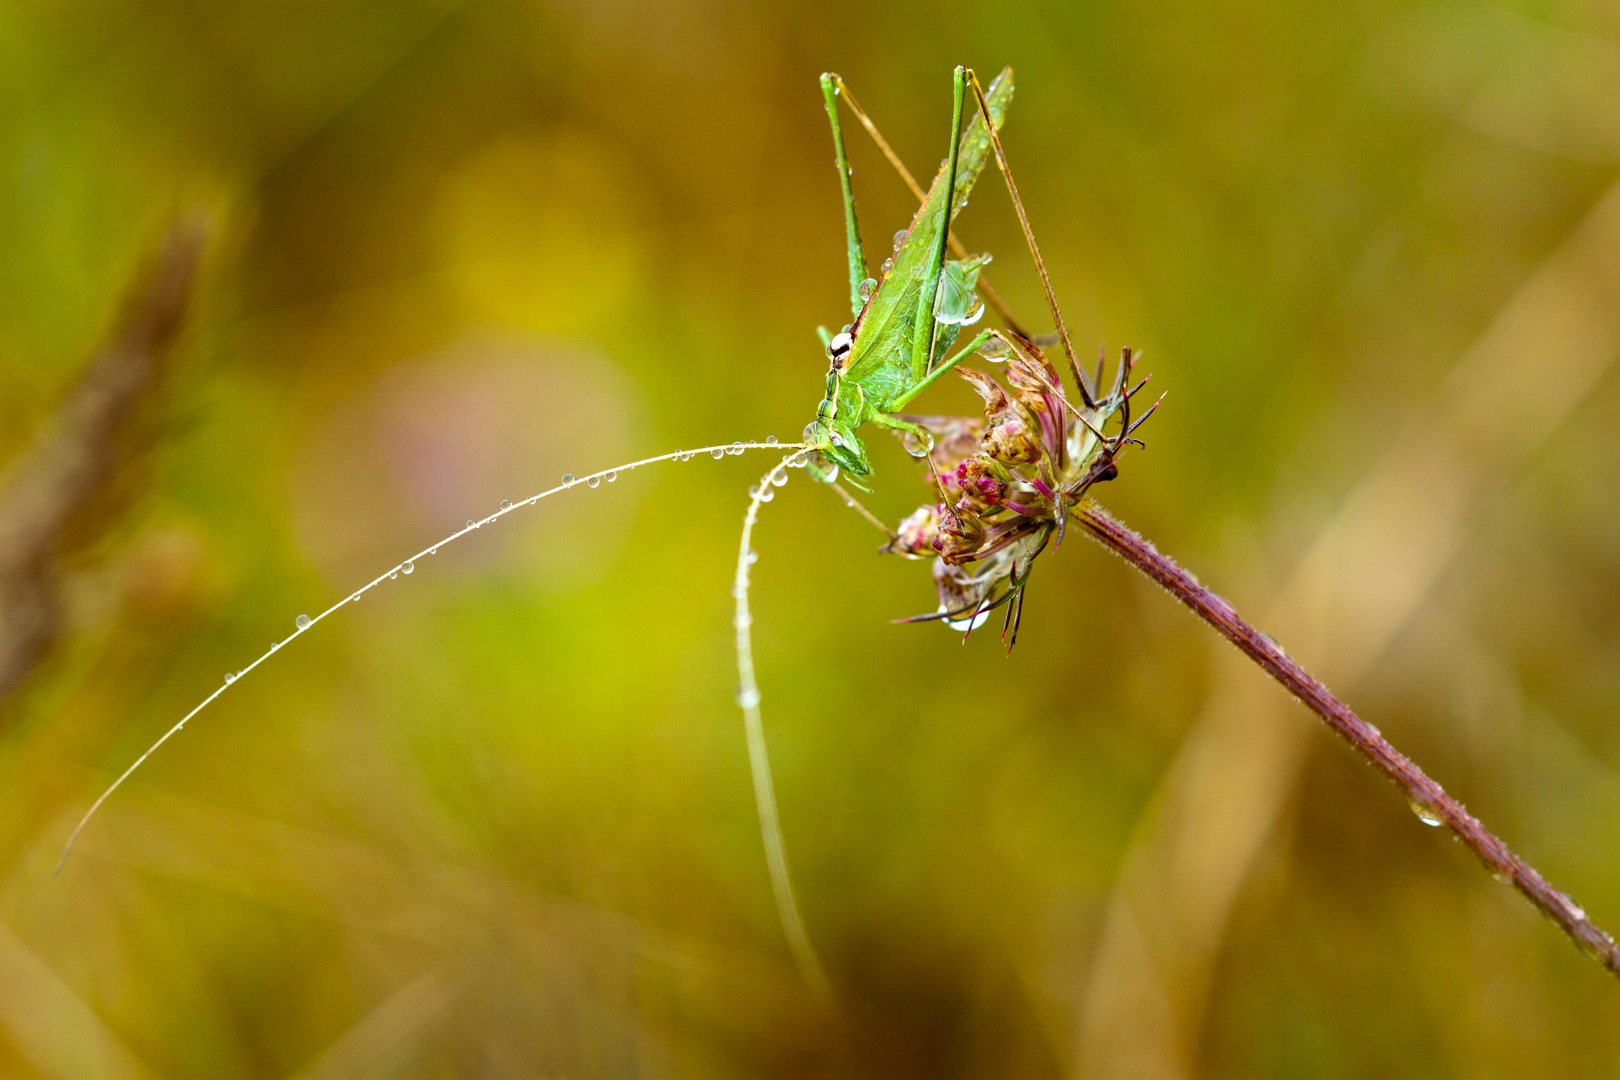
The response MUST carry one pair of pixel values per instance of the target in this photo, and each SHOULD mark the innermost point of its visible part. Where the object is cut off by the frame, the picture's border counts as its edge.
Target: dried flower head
(1006, 484)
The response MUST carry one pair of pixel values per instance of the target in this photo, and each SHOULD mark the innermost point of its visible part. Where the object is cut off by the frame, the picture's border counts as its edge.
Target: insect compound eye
(839, 346)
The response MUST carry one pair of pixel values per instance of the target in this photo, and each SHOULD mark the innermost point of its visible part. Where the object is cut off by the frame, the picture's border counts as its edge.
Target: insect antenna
(305, 623)
(787, 908)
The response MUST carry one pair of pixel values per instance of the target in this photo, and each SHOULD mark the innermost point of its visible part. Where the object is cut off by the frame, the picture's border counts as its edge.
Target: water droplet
(742, 619)
(469, 523)
(434, 550)
(866, 288)
(302, 622)
(717, 453)
(1500, 878)
(747, 696)
(594, 481)
(915, 444)
(356, 597)
(568, 478)
(230, 677)
(408, 567)
(993, 349)
(888, 264)
(753, 491)
(1425, 813)
(736, 448)
(778, 479)
(753, 557)
(899, 238)
(686, 455)
(274, 645)
(506, 504)
(770, 440)
(972, 622)
(739, 590)
(767, 495)
(393, 575)
(611, 475)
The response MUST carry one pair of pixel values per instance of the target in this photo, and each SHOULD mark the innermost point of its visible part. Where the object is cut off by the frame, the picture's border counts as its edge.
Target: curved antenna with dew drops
(304, 623)
(787, 909)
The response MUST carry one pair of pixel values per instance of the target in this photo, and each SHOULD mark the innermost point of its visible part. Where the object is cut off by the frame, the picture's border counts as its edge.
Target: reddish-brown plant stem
(1427, 797)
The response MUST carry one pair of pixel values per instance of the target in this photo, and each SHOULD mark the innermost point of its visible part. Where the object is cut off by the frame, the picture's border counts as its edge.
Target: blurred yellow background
(496, 819)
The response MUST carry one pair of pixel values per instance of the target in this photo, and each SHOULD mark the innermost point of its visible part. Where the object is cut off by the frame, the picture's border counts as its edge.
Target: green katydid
(906, 323)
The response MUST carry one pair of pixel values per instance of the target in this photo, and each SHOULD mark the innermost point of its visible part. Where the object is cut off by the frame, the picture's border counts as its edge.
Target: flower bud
(918, 535)
(1011, 439)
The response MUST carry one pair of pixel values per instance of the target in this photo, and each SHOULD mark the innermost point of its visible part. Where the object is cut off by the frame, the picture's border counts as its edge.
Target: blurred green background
(496, 819)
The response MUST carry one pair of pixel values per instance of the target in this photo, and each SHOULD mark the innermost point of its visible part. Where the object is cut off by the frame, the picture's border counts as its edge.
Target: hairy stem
(1429, 800)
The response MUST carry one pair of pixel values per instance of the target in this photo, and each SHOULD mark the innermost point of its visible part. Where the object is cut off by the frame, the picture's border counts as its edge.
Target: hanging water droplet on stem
(1425, 813)
(407, 566)
(594, 481)
(717, 453)
(866, 288)
(686, 455)
(469, 523)
(736, 447)
(393, 575)
(767, 494)
(770, 440)
(611, 475)
(747, 696)
(568, 478)
(899, 238)
(230, 677)
(914, 444)
(778, 479)
(753, 557)
(753, 491)
(506, 504)
(302, 622)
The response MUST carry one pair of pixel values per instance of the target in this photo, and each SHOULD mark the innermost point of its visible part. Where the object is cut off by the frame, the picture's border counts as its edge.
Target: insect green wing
(880, 361)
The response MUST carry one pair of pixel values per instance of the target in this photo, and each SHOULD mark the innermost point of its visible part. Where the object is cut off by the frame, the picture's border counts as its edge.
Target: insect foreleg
(830, 85)
(933, 376)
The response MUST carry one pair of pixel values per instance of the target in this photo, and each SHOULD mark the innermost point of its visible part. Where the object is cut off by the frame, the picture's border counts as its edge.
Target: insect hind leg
(1034, 248)
(831, 85)
(985, 289)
